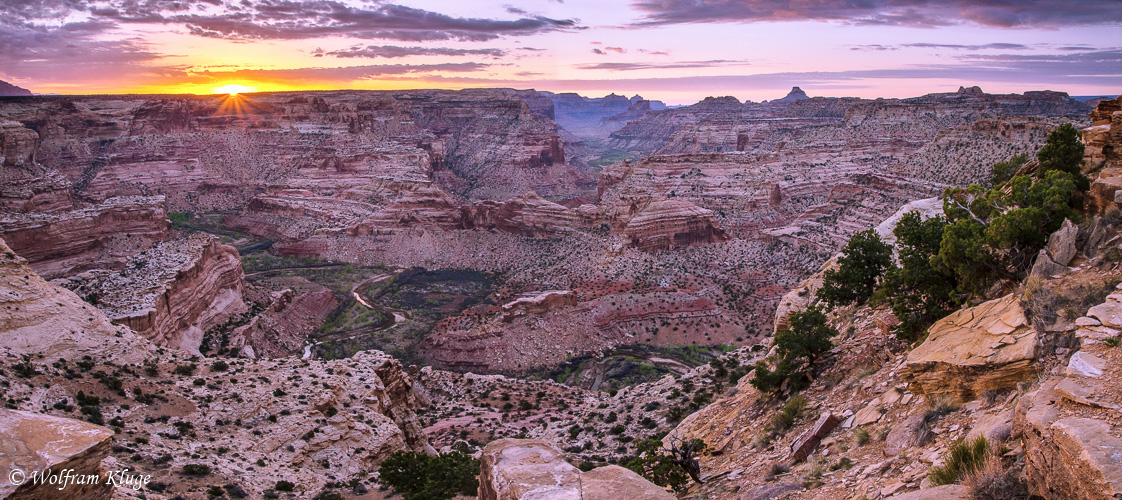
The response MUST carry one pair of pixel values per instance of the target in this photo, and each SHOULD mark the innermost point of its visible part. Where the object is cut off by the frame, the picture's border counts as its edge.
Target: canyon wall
(172, 293)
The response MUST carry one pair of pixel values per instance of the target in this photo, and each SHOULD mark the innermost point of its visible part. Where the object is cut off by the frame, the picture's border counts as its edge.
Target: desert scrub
(861, 436)
(788, 414)
(965, 457)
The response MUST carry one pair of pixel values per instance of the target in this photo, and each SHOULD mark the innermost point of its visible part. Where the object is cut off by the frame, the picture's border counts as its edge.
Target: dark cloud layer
(997, 13)
(390, 51)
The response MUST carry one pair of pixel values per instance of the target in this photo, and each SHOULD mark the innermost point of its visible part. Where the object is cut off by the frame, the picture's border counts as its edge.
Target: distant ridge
(7, 89)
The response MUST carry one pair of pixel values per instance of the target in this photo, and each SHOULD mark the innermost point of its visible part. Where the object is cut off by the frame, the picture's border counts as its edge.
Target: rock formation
(1103, 152)
(284, 327)
(987, 347)
(102, 236)
(7, 89)
(42, 319)
(33, 443)
(172, 293)
(513, 469)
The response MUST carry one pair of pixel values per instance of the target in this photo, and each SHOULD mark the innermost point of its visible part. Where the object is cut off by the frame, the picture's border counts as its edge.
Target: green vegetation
(798, 347)
(995, 234)
(180, 220)
(787, 415)
(963, 458)
(918, 292)
(863, 262)
(671, 467)
(418, 476)
(1002, 171)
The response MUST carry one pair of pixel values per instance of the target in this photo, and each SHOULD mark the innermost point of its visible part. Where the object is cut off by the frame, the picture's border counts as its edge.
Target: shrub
(963, 458)
(673, 467)
(994, 481)
(864, 260)
(420, 476)
(1002, 171)
(283, 485)
(787, 415)
(861, 436)
(196, 470)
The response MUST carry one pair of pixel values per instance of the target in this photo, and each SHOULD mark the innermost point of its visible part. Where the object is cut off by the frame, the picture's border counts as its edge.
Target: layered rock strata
(172, 293)
(991, 346)
(41, 319)
(102, 236)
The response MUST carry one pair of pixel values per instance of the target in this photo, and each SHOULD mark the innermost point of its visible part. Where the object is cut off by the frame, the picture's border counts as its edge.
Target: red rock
(802, 446)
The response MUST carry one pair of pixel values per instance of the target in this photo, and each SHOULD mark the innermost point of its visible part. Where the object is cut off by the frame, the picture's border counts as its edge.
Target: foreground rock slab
(30, 442)
(532, 469)
(987, 347)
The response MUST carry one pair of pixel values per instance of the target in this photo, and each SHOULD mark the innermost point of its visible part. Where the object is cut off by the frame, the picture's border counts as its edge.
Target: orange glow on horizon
(233, 89)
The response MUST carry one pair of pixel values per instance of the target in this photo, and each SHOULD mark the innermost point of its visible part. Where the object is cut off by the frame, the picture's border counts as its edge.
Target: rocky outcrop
(7, 89)
(796, 94)
(1103, 152)
(529, 215)
(103, 236)
(171, 293)
(537, 303)
(32, 443)
(529, 469)
(672, 224)
(41, 319)
(987, 347)
(18, 144)
(1067, 456)
(804, 445)
(284, 327)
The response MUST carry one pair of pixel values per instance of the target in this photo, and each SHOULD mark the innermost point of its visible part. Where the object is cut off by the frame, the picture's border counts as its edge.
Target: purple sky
(676, 50)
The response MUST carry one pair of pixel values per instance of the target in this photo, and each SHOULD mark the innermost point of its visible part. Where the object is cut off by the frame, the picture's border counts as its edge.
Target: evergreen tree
(1063, 152)
(797, 348)
(863, 262)
(918, 292)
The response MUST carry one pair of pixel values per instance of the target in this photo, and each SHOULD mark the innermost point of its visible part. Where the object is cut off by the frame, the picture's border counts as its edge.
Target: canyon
(251, 282)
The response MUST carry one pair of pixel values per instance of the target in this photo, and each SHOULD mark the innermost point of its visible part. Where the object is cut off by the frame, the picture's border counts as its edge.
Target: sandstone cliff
(41, 319)
(172, 293)
(102, 236)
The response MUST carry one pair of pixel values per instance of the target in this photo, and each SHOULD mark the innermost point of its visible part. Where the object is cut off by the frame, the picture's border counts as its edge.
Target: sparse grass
(1112, 341)
(994, 481)
(812, 475)
(861, 436)
(939, 405)
(963, 458)
(1041, 303)
(787, 415)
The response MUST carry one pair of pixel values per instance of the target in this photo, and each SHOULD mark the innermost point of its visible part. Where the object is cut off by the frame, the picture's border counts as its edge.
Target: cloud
(338, 75)
(287, 19)
(996, 13)
(390, 51)
(620, 66)
(599, 52)
(617, 50)
(988, 46)
(949, 46)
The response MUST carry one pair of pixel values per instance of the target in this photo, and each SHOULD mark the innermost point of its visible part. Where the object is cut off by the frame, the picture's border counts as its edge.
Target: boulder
(987, 347)
(1045, 267)
(1084, 364)
(526, 469)
(532, 469)
(905, 434)
(771, 491)
(805, 444)
(613, 482)
(1061, 244)
(1066, 455)
(32, 442)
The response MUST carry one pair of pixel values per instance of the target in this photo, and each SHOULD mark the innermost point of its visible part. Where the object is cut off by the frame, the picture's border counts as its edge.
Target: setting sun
(233, 89)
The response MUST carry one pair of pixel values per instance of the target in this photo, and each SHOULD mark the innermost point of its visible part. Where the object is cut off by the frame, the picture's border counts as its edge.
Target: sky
(678, 51)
